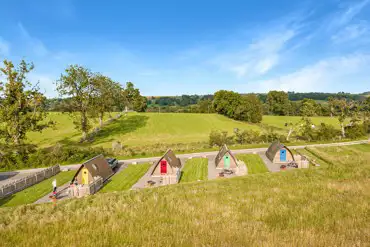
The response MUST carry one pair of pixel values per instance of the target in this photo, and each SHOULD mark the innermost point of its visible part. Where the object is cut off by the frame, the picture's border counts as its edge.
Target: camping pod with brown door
(168, 164)
(279, 153)
(95, 167)
(225, 159)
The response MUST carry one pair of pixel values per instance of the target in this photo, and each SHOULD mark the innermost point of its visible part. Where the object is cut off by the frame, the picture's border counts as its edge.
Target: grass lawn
(126, 178)
(35, 192)
(253, 162)
(302, 207)
(194, 170)
(139, 129)
(63, 131)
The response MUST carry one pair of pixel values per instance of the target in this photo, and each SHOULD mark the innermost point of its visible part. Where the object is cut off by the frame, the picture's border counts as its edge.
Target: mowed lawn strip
(253, 162)
(35, 192)
(126, 178)
(195, 169)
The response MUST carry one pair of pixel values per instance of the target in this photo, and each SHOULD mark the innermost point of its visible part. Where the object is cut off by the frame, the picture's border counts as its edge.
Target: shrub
(217, 138)
(355, 131)
(327, 132)
(246, 136)
(269, 136)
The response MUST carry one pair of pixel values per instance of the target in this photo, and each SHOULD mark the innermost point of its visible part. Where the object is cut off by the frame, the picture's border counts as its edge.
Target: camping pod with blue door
(279, 153)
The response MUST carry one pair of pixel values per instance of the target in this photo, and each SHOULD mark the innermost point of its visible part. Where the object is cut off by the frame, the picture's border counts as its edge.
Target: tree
(21, 109)
(249, 109)
(226, 102)
(140, 103)
(205, 106)
(278, 103)
(132, 98)
(104, 91)
(331, 106)
(307, 129)
(342, 108)
(309, 108)
(77, 83)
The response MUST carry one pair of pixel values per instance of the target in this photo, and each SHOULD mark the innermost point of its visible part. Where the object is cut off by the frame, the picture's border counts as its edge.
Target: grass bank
(292, 208)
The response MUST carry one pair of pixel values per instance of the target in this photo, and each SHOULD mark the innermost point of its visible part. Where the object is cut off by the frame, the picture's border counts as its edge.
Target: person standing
(54, 183)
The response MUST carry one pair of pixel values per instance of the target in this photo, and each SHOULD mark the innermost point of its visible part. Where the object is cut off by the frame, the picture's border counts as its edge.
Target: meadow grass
(125, 179)
(63, 130)
(136, 128)
(35, 192)
(279, 121)
(253, 162)
(153, 128)
(305, 207)
(195, 169)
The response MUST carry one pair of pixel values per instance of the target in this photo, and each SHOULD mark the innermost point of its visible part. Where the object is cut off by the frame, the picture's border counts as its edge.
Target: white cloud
(351, 12)
(351, 32)
(36, 45)
(346, 26)
(4, 47)
(46, 83)
(324, 74)
(258, 57)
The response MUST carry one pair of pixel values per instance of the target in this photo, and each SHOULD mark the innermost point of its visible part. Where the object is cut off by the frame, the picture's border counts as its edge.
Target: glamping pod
(279, 153)
(168, 167)
(90, 177)
(225, 159)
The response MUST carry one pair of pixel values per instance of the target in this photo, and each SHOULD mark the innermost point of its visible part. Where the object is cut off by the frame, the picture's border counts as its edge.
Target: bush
(246, 136)
(307, 130)
(327, 132)
(217, 138)
(355, 131)
(366, 126)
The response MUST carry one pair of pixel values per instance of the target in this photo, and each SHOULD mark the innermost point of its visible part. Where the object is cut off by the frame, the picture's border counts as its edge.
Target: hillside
(143, 128)
(140, 129)
(326, 206)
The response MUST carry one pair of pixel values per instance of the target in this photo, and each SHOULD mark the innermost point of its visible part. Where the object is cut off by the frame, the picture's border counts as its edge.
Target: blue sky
(195, 47)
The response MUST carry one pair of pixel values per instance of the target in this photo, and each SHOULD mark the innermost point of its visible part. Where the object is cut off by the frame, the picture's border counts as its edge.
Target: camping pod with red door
(167, 165)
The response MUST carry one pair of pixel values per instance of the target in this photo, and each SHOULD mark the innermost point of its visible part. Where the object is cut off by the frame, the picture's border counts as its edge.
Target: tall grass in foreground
(126, 178)
(253, 162)
(307, 207)
(35, 192)
(195, 169)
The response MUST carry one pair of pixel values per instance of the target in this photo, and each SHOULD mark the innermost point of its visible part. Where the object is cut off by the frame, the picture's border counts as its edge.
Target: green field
(152, 128)
(63, 131)
(279, 121)
(140, 129)
(195, 169)
(35, 192)
(253, 162)
(306, 207)
(125, 179)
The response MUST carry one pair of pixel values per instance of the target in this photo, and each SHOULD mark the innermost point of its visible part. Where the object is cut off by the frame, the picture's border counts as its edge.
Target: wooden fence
(84, 190)
(23, 183)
